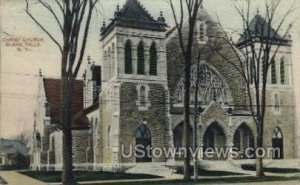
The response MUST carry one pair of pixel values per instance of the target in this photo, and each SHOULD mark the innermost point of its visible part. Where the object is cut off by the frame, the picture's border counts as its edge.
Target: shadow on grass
(55, 176)
(229, 180)
(251, 167)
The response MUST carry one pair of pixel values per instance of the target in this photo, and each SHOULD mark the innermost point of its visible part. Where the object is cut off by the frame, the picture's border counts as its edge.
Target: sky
(19, 68)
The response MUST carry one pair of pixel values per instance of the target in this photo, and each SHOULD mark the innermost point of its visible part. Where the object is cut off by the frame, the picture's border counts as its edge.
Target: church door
(143, 141)
(277, 143)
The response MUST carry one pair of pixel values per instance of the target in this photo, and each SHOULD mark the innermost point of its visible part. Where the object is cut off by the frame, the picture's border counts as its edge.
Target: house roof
(258, 28)
(12, 147)
(134, 15)
(53, 97)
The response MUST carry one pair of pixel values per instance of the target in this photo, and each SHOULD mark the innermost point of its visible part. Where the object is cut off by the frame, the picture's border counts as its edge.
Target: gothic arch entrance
(277, 143)
(214, 139)
(243, 138)
(178, 140)
(178, 135)
(142, 141)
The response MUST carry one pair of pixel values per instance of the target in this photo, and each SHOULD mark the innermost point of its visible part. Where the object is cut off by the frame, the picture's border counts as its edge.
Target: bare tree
(196, 117)
(73, 18)
(254, 54)
(191, 8)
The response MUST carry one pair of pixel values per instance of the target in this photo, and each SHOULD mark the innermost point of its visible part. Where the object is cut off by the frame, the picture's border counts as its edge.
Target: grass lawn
(55, 176)
(272, 170)
(203, 172)
(216, 180)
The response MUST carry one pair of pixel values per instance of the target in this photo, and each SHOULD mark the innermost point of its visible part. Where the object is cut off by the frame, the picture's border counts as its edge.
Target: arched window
(273, 72)
(276, 103)
(153, 60)
(282, 71)
(128, 58)
(141, 59)
(109, 136)
(143, 132)
(143, 95)
(277, 134)
(143, 141)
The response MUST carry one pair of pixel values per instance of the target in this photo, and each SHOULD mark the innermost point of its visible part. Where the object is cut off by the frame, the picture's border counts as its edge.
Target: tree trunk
(66, 114)
(259, 160)
(196, 119)
(186, 134)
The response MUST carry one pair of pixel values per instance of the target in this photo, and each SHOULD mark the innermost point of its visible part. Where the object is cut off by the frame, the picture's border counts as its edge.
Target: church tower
(134, 96)
(279, 131)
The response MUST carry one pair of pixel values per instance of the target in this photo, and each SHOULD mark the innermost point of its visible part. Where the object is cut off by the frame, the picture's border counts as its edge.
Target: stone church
(142, 90)
(141, 100)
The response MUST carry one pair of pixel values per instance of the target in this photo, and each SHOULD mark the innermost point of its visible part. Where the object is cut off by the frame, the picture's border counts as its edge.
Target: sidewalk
(15, 178)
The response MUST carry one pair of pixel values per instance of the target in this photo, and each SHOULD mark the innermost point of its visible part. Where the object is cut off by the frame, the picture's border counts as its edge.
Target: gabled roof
(258, 28)
(134, 15)
(53, 97)
(12, 147)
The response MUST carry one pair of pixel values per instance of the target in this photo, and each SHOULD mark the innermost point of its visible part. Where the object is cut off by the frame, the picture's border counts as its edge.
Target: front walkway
(15, 178)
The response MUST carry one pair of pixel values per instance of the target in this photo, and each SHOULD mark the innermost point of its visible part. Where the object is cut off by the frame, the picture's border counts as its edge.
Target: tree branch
(42, 27)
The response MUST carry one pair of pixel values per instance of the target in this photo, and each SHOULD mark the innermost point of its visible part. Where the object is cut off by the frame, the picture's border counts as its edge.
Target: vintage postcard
(171, 92)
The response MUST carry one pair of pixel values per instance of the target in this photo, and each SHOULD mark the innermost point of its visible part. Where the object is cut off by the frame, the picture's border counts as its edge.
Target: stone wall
(80, 143)
(106, 116)
(208, 52)
(284, 119)
(155, 117)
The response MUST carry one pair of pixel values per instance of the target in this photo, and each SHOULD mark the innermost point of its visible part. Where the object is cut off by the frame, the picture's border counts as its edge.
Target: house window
(282, 72)
(141, 59)
(128, 58)
(276, 103)
(153, 60)
(273, 72)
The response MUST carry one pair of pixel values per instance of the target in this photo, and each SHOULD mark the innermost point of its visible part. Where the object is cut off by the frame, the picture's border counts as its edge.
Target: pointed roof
(259, 29)
(134, 15)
